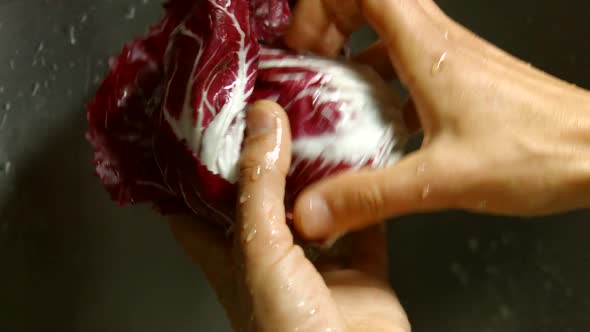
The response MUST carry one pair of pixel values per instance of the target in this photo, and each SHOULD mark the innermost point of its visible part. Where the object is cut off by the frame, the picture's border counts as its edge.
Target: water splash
(5, 168)
(35, 89)
(72, 35)
(130, 13)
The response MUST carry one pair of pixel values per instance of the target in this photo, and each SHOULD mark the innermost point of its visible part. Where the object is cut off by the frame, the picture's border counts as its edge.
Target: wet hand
(265, 281)
(500, 136)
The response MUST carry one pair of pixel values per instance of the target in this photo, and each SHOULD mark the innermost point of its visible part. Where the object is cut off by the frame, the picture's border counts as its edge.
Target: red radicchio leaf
(168, 122)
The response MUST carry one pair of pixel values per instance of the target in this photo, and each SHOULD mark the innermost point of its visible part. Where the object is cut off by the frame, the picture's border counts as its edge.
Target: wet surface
(70, 260)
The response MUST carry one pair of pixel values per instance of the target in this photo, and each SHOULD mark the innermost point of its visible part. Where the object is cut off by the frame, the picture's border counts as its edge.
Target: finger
(377, 57)
(313, 18)
(262, 232)
(413, 39)
(353, 201)
(206, 246)
(330, 45)
(308, 25)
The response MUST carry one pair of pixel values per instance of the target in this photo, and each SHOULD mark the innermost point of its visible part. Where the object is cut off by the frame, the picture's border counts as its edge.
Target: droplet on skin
(447, 35)
(425, 191)
(288, 286)
(251, 235)
(482, 205)
(436, 67)
(244, 198)
(256, 173)
(420, 169)
(313, 311)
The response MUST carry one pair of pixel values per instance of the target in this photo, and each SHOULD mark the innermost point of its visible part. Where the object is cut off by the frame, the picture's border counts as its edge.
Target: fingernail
(259, 121)
(316, 219)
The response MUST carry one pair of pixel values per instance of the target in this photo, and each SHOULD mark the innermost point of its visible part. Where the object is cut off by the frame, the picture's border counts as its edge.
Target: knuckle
(369, 201)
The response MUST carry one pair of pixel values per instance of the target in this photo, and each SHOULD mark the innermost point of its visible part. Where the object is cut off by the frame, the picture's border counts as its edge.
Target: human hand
(264, 280)
(500, 136)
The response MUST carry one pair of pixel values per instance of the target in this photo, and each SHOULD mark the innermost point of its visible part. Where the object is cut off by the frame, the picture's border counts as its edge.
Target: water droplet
(301, 304)
(35, 89)
(447, 35)
(12, 64)
(84, 18)
(459, 271)
(251, 235)
(72, 35)
(256, 173)
(130, 13)
(425, 191)
(7, 106)
(421, 169)
(473, 244)
(436, 67)
(6, 167)
(244, 198)
(96, 79)
(505, 312)
(313, 311)
(3, 120)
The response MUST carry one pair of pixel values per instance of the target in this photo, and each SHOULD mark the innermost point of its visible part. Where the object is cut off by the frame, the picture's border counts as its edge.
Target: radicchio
(168, 121)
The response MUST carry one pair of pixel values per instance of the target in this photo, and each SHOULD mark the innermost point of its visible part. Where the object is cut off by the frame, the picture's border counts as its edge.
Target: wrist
(577, 141)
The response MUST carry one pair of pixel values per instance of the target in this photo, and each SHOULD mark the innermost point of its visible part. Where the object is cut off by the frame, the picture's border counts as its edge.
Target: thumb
(413, 39)
(353, 201)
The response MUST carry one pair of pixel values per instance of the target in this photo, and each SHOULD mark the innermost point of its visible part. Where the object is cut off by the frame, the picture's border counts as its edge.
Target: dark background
(70, 260)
